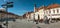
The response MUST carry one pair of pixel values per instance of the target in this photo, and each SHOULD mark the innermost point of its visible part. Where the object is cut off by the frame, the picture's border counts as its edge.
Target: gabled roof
(42, 7)
(53, 6)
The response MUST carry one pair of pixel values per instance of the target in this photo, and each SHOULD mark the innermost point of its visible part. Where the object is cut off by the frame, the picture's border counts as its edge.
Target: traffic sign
(8, 5)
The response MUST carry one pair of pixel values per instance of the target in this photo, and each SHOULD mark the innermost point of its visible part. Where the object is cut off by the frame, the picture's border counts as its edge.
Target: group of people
(46, 21)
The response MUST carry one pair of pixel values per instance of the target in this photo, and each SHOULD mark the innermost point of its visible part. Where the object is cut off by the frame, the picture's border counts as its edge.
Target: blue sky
(23, 6)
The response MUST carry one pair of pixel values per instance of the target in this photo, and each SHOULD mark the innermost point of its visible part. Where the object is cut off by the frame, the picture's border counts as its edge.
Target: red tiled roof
(53, 6)
(49, 7)
(43, 7)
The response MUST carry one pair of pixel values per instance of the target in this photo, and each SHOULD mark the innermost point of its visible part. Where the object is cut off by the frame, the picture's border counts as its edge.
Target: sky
(22, 6)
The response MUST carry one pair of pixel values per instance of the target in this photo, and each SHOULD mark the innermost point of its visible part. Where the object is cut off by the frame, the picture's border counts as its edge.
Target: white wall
(32, 16)
(55, 10)
(41, 13)
(36, 16)
(52, 13)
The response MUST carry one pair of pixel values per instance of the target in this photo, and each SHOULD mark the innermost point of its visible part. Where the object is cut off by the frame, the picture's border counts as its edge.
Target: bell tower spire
(34, 7)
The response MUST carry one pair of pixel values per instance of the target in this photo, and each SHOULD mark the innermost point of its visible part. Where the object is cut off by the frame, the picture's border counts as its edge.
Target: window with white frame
(53, 11)
(57, 11)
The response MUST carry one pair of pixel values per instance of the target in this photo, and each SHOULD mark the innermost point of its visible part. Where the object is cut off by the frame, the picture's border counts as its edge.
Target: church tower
(34, 7)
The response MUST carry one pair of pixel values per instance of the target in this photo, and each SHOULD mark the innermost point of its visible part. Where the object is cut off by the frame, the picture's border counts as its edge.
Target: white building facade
(41, 13)
(32, 16)
(53, 11)
(36, 15)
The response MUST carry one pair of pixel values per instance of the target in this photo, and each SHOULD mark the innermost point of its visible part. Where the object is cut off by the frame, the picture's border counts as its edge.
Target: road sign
(8, 5)
(4, 5)
(9, 2)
